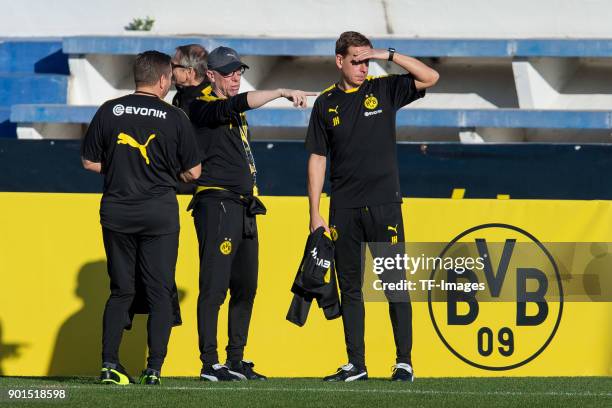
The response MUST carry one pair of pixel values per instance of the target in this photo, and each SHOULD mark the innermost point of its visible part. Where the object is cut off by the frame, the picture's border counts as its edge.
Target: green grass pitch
(282, 392)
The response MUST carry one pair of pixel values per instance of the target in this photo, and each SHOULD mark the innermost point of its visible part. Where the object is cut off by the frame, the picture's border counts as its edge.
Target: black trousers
(154, 256)
(353, 226)
(228, 260)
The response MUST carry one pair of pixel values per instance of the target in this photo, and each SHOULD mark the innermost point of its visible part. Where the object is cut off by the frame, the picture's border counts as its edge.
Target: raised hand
(371, 53)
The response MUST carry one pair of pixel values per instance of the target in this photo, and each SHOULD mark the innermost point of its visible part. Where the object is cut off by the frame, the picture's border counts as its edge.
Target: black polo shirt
(143, 144)
(183, 98)
(356, 129)
(223, 136)
(185, 95)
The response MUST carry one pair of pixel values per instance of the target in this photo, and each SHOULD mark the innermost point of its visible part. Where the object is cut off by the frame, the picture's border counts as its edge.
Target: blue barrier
(505, 118)
(280, 117)
(22, 62)
(44, 113)
(31, 71)
(495, 48)
(16, 88)
(36, 55)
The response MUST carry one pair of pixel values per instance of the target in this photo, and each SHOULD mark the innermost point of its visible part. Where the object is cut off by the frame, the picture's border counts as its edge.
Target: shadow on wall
(56, 63)
(8, 129)
(78, 346)
(8, 350)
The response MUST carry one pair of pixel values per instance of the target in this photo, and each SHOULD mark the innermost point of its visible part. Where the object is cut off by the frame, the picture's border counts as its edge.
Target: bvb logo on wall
(516, 316)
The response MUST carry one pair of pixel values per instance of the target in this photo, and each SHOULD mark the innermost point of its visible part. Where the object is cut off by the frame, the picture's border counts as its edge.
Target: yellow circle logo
(371, 102)
(334, 233)
(226, 247)
(509, 322)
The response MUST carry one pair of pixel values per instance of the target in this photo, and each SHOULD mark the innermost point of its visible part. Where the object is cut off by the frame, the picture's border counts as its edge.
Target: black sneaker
(114, 374)
(150, 377)
(402, 372)
(348, 373)
(244, 370)
(217, 372)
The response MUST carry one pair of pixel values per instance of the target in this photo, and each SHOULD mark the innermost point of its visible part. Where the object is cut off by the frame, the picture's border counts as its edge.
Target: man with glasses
(224, 210)
(189, 74)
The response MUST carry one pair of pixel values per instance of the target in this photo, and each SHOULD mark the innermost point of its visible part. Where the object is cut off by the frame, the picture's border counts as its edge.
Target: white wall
(405, 18)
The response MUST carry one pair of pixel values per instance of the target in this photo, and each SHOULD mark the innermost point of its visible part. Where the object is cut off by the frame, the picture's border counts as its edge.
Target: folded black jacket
(252, 206)
(315, 279)
(140, 305)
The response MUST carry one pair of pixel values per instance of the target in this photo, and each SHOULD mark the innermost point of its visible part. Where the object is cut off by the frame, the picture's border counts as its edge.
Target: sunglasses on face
(238, 72)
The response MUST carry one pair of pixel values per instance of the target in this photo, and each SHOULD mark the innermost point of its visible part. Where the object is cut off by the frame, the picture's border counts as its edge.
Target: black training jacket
(315, 279)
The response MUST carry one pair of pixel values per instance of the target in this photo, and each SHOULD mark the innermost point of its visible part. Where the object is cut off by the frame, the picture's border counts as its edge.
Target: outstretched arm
(260, 98)
(218, 111)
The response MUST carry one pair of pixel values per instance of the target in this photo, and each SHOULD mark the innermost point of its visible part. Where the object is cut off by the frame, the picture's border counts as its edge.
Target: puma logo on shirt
(124, 138)
(335, 119)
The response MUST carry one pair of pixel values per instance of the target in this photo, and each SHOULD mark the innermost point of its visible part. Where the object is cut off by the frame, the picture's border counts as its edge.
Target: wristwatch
(391, 52)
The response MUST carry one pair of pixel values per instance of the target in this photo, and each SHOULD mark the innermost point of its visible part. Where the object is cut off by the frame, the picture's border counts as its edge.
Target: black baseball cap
(225, 60)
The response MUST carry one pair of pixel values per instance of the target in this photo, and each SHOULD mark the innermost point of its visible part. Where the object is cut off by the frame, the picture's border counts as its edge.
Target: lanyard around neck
(242, 127)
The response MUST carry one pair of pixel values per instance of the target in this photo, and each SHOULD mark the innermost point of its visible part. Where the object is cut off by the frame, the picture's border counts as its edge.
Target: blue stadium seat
(33, 79)
(325, 46)
(36, 56)
(18, 88)
(454, 118)
(31, 71)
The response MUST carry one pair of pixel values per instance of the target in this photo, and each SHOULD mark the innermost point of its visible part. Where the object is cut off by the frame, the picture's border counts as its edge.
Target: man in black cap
(224, 210)
(142, 146)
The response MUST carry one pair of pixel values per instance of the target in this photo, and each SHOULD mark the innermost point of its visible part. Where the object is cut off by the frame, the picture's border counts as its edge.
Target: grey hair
(193, 56)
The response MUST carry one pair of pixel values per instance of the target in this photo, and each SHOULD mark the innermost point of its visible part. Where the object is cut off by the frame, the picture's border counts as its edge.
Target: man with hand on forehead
(353, 123)
(224, 209)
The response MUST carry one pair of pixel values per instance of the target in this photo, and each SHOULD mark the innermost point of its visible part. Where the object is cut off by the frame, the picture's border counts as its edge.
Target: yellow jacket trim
(207, 95)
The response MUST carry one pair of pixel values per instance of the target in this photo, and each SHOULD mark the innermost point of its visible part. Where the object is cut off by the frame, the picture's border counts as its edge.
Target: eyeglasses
(238, 72)
(178, 66)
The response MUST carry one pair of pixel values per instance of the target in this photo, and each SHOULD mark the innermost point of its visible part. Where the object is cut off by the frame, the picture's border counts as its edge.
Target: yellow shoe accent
(111, 376)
